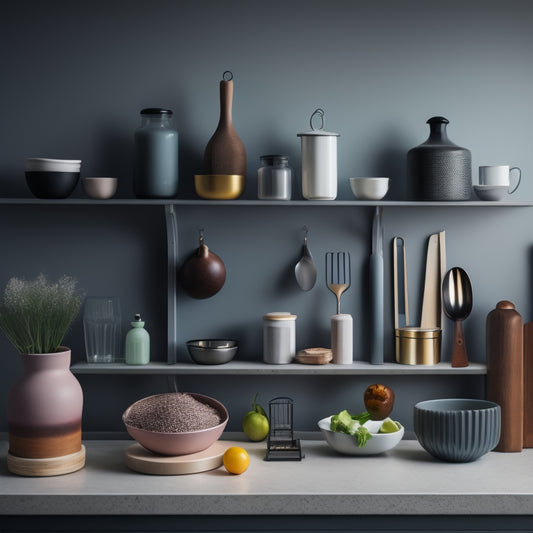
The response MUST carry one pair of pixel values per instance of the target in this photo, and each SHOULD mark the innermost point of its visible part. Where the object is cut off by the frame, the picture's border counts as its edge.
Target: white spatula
(431, 309)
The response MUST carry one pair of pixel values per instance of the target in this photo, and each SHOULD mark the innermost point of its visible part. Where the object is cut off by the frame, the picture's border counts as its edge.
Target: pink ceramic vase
(44, 408)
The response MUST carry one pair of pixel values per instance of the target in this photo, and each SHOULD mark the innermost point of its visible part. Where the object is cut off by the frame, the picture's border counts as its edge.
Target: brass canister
(417, 346)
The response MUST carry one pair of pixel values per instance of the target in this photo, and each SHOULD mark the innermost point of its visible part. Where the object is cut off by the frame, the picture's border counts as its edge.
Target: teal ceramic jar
(156, 169)
(137, 343)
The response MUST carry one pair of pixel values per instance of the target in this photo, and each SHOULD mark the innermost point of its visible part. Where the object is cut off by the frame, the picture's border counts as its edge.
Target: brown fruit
(379, 401)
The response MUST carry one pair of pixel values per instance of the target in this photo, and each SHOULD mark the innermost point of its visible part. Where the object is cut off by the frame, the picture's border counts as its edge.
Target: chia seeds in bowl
(177, 423)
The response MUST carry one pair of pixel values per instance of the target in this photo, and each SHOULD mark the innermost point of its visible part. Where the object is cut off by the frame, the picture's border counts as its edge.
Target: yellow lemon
(236, 460)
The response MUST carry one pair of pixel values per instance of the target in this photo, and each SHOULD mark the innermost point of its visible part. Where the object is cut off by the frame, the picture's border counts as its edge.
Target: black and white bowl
(52, 178)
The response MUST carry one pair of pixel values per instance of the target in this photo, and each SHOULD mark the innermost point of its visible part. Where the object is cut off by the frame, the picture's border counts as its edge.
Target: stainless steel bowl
(212, 351)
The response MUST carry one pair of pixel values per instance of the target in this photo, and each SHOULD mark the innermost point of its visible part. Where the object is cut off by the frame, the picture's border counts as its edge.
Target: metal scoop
(305, 269)
(457, 300)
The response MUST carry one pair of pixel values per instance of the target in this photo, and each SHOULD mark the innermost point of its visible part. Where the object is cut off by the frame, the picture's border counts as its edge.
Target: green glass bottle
(137, 343)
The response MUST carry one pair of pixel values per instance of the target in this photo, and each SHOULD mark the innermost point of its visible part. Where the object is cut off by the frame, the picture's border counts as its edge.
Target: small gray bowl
(212, 351)
(491, 193)
(457, 430)
(100, 188)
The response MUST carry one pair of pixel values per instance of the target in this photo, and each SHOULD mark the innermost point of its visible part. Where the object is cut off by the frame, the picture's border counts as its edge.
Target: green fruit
(255, 423)
(389, 426)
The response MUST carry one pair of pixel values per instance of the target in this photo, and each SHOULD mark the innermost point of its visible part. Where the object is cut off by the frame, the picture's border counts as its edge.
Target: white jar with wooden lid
(279, 338)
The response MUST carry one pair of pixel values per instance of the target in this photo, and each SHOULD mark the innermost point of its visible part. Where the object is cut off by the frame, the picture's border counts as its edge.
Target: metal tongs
(435, 269)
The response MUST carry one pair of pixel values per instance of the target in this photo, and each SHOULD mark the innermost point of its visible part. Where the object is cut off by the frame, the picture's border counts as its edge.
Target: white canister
(342, 339)
(319, 162)
(279, 338)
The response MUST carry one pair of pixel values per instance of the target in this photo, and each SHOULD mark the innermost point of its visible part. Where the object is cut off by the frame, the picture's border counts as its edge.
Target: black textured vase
(439, 169)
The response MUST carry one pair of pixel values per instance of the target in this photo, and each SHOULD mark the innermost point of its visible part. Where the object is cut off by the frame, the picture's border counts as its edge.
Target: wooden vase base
(50, 466)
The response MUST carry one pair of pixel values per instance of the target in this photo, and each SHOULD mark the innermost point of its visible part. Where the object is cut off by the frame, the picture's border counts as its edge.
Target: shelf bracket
(172, 302)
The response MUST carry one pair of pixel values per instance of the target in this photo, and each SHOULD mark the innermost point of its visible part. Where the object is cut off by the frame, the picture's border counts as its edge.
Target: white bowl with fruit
(369, 433)
(377, 440)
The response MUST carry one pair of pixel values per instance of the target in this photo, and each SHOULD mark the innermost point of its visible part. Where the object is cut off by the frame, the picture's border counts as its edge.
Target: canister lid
(272, 159)
(279, 316)
(417, 333)
(156, 111)
(318, 132)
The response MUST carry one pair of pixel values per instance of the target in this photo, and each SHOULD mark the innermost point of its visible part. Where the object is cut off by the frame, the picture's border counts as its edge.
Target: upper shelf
(357, 368)
(243, 203)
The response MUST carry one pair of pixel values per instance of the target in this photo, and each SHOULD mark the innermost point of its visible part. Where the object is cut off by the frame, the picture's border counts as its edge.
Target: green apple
(255, 422)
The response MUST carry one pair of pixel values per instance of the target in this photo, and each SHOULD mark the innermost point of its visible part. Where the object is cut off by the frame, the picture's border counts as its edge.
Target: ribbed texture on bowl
(457, 430)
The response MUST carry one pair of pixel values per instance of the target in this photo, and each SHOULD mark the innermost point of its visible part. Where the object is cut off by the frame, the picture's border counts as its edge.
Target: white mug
(499, 175)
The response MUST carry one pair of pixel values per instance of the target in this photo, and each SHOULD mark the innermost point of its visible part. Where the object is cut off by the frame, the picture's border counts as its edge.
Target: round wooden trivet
(146, 462)
(49, 466)
(314, 356)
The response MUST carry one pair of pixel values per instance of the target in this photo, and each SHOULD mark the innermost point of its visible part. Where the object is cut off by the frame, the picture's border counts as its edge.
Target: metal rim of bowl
(195, 344)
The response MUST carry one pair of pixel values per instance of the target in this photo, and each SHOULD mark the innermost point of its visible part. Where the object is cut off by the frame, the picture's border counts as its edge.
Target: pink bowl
(179, 443)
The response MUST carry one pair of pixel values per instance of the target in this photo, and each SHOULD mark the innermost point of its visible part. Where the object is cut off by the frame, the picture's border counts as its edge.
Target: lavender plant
(36, 315)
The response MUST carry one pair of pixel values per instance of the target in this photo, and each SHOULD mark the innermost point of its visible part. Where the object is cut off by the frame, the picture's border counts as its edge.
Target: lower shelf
(259, 368)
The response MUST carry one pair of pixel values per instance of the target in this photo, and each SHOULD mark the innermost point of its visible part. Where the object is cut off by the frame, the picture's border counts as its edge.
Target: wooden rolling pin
(528, 385)
(505, 372)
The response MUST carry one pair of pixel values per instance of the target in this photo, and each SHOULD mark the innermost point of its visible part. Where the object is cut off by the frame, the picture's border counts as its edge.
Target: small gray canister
(279, 338)
(274, 178)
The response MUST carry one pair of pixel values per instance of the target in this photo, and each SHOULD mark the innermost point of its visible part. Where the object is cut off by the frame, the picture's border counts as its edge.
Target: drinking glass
(102, 329)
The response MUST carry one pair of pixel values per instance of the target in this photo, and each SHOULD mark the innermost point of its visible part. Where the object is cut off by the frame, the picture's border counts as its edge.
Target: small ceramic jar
(319, 162)
(274, 178)
(342, 339)
(279, 338)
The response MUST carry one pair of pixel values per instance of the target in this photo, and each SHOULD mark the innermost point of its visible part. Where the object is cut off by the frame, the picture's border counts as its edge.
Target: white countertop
(404, 481)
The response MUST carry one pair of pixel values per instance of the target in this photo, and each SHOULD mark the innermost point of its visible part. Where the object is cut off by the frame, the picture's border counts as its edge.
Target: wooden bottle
(225, 152)
(505, 372)
(528, 385)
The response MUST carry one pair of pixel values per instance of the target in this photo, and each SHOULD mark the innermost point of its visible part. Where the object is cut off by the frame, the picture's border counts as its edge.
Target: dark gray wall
(74, 76)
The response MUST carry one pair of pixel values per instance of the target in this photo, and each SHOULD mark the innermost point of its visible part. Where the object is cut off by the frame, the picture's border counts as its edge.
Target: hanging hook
(319, 113)
(306, 229)
(227, 75)
(201, 235)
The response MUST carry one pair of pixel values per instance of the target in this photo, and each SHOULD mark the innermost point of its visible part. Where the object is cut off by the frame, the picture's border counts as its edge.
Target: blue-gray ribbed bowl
(457, 430)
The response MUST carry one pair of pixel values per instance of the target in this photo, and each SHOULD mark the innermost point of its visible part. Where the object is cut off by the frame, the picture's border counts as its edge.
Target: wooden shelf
(261, 369)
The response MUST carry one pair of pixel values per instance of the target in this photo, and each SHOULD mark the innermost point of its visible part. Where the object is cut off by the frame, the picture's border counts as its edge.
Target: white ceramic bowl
(492, 193)
(369, 188)
(99, 188)
(43, 164)
(346, 444)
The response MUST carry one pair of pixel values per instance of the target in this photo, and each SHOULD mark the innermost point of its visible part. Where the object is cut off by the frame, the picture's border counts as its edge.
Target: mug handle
(519, 178)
